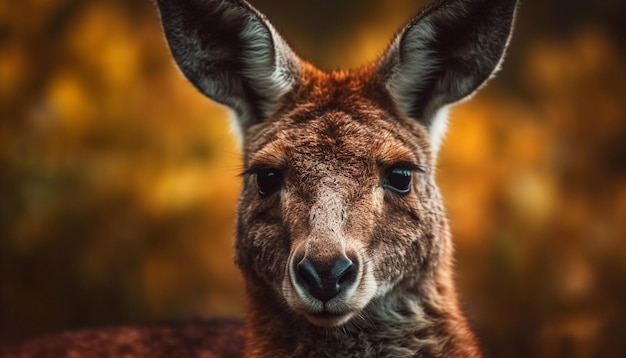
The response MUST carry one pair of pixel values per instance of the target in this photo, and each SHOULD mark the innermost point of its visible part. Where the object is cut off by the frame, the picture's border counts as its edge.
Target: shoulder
(214, 338)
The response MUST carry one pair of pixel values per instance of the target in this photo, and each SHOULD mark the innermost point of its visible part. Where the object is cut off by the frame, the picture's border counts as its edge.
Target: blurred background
(118, 181)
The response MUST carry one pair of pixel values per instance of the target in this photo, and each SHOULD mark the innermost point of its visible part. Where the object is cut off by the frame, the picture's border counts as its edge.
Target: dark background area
(118, 181)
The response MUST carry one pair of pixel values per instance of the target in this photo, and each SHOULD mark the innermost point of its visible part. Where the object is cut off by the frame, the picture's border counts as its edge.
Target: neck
(421, 320)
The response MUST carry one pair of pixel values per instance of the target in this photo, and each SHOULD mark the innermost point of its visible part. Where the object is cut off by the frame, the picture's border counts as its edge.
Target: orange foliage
(118, 180)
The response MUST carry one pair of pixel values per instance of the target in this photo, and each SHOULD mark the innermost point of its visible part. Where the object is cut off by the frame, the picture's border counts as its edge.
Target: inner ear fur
(231, 53)
(445, 54)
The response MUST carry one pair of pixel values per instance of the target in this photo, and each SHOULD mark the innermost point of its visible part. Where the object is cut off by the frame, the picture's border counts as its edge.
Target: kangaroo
(341, 236)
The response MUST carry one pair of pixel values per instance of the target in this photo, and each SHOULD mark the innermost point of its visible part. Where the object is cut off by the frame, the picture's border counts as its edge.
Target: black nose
(325, 281)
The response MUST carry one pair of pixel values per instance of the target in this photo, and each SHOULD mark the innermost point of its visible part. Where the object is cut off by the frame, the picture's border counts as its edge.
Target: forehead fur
(343, 116)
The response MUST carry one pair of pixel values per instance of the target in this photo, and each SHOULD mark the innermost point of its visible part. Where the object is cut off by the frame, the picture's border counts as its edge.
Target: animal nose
(325, 281)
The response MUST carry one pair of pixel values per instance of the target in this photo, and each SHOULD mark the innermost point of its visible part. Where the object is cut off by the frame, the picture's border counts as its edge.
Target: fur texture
(334, 143)
(218, 338)
(444, 55)
(342, 237)
(231, 54)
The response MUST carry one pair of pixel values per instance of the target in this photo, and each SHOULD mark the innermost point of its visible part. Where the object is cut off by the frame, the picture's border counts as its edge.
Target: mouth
(328, 319)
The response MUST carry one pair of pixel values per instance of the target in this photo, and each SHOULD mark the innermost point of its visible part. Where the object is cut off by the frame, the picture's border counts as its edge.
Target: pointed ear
(231, 53)
(444, 55)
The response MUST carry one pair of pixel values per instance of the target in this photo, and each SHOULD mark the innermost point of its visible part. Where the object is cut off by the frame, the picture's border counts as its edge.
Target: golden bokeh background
(118, 181)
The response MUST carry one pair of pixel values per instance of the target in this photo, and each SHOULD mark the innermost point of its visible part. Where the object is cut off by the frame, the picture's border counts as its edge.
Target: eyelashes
(396, 178)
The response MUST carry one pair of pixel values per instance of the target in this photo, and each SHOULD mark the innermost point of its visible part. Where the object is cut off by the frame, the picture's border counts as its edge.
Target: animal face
(339, 206)
(339, 203)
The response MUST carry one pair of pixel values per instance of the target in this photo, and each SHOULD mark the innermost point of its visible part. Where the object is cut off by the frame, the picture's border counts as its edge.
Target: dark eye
(399, 180)
(268, 181)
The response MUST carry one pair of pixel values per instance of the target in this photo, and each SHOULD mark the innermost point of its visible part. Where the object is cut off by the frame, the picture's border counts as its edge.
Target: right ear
(231, 53)
(444, 55)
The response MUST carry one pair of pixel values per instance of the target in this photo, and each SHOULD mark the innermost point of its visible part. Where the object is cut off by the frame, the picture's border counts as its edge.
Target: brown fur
(337, 262)
(343, 125)
(203, 339)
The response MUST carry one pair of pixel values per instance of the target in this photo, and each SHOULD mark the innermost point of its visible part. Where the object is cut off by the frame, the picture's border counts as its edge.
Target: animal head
(339, 205)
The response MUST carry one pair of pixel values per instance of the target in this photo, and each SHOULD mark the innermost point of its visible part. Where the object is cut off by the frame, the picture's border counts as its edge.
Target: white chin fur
(329, 321)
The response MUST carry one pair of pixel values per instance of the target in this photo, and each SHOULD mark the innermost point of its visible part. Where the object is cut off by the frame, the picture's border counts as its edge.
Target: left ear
(232, 54)
(444, 55)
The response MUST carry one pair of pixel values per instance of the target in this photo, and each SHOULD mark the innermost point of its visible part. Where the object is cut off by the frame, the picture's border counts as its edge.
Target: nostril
(343, 271)
(308, 273)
